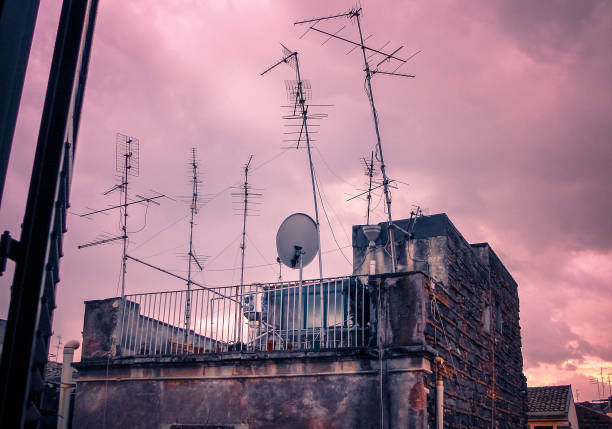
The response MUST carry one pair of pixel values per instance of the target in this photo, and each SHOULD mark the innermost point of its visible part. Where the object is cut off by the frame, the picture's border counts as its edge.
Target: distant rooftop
(548, 400)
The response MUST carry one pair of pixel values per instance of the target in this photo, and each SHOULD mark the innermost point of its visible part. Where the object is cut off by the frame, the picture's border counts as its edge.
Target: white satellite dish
(297, 235)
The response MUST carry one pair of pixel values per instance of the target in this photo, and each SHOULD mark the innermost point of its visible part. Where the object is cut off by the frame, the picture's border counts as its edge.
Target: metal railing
(321, 314)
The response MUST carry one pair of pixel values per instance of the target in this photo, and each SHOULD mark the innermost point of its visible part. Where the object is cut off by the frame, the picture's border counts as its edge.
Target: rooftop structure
(437, 342)
(552, 407)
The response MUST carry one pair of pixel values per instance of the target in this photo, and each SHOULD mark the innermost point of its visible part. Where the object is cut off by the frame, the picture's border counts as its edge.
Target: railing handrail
(291, 283)
(326, 313)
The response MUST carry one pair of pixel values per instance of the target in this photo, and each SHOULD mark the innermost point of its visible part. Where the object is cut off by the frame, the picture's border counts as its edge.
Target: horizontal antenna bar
(284, 60)
(351, 13)
(392, 74)
(359, 44)
(122, 205)
(95, 243)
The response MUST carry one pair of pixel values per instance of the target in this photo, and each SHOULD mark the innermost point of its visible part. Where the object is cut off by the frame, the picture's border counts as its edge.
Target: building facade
(435, 344)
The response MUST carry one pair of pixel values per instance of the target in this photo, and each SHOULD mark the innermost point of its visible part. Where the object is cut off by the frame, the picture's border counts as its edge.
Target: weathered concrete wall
(340, 388)
(104, 335)
(471, 319)
(279, 390)
(458, 302)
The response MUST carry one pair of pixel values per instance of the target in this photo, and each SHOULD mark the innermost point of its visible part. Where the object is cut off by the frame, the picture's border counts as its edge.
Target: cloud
(506, 127)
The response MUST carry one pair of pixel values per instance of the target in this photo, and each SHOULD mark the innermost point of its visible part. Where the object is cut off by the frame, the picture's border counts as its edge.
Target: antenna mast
(297, 93)
(370, 173)
(369, 73)
(246, 192)
(193, 207)
(127, 164)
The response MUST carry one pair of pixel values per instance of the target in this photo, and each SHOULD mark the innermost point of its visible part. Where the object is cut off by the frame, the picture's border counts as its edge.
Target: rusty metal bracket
(9, 249)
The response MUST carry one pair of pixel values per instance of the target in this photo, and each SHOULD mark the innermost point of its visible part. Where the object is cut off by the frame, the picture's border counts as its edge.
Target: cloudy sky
(506, 128)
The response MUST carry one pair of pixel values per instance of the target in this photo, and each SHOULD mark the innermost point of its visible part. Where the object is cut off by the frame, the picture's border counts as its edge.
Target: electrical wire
(322, 190)
(258, 251)
(160, 231)
(328, 222)
(145, 221)
(330, 169)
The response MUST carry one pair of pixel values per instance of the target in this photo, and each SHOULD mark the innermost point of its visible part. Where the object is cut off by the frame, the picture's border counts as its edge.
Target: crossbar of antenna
(284, 60)
(351, 13)
(359, 45)
(123, 205)
(392, 74)
(107, 240)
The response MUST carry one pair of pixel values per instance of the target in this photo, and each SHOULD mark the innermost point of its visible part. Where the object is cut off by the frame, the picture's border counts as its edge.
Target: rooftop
(548, 400)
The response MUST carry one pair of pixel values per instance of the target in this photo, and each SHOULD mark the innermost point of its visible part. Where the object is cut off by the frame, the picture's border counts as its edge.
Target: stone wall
(342, 388)
(471, 312)
(104, 336)
(277, 389)
(450, 300)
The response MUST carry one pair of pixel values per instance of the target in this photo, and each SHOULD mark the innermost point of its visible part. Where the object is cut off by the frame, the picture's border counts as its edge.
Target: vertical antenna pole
(379, 146)
(370, 174)
(124, 187)
(305, 125)
(242, 246)
(193, 208)
(244, 216)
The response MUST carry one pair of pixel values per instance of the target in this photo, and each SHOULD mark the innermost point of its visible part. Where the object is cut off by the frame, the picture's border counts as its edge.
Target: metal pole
(193, 208)
(125, 215)
(300, 309)
(379, 146)
(243, 244)
(302, 102)
(370, 174)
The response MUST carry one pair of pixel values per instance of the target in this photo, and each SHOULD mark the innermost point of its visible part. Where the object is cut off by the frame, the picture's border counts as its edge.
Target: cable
(278, 155)
(330, 169)
(221, 252)
(321, 190)
(328, 222)
(258, 251)
(159, 232)
(145, 221)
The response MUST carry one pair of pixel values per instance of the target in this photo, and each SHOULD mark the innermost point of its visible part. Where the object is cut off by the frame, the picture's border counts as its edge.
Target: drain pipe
(66, 386)
(439, 394)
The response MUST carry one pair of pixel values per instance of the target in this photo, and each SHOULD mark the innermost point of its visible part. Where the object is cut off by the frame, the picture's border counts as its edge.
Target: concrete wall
(104, 335)
(459, 303)
(471, 311)
(343, 388)
(281, 390)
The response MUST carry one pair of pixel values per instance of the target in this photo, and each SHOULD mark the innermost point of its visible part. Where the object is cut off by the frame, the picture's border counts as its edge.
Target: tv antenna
(370, 173)
(127, 163)
(384, 57)
(193, 259)
(243, 196)
(299, 92)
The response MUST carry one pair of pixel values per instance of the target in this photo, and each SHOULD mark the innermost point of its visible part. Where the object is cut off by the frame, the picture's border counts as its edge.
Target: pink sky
(506, 128)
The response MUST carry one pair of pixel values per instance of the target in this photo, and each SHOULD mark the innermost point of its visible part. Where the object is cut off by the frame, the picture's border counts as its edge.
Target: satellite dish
(297, 233)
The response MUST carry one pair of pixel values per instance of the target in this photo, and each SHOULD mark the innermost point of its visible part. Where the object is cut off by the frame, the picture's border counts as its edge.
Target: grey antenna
(297, 243)
(299, 92)
(370, 173)
(127, 163)
(244, 198)
(383, 57)
(192, 257)
(245, 206)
